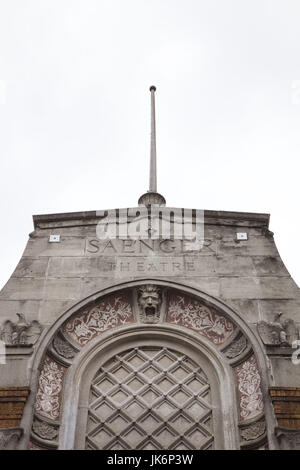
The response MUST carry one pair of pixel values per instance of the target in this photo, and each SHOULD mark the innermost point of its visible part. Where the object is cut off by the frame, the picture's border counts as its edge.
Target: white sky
(75, 110)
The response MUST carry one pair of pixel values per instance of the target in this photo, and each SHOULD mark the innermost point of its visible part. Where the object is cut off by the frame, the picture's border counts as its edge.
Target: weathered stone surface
(285, 373)
(258, 288)
(23, 289)
(9, 308)
(249, 309)
(17, 369)
(290, 308)
(50, 310)
(269, 265)
(236, 266)
(62, 289)
(69, 246)
(254, 246)
(31, 267)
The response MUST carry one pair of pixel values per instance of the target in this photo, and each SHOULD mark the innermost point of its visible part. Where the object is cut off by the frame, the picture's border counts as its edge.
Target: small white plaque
(54, 238)
(242, 236)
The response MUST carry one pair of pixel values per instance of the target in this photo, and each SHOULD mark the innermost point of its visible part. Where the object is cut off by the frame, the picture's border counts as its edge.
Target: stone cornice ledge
(244, 219)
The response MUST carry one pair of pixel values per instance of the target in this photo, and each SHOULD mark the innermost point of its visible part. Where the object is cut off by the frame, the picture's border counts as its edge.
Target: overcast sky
(75, 110)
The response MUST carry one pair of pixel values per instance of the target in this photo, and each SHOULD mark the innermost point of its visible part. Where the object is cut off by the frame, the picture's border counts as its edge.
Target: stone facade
(231, 307)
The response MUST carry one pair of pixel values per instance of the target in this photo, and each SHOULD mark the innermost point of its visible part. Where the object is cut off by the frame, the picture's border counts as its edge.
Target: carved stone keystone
(149, 300)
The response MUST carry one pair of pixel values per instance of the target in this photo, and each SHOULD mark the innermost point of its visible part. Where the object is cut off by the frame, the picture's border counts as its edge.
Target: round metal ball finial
(153, 88)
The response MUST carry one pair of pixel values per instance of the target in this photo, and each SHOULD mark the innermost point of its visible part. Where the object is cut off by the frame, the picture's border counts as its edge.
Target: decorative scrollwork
(192, 314)
(110, 313)
(251, 402)
(50, 387)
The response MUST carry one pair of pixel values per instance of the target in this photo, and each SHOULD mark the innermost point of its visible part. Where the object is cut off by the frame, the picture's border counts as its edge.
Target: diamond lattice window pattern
(150, 398)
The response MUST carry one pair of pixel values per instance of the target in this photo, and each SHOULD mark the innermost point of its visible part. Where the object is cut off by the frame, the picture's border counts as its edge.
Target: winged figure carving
(279, 332)
(20, 332)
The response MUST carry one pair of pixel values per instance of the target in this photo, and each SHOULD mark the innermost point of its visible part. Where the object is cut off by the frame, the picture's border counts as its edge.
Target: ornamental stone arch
(131, 365)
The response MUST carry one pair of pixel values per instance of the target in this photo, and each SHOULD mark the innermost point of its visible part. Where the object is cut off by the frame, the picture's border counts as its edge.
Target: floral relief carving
(48, 397)
(251, 401)
(110, 313)
(188, 312)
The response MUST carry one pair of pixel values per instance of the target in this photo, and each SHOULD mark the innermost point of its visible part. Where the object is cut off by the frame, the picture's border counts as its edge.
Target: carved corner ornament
(149, 301)
(236, 348)
(279, 332)
(253, 431)
(63, 348)
(21, 332)
(9, 438)
(288, 439)
(45, 430)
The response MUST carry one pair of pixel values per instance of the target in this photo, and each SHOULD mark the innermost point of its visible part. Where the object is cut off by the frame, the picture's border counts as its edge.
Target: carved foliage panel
(150, 398)
(249, 389)
(189, 312)
(49, 394)
(113, 311)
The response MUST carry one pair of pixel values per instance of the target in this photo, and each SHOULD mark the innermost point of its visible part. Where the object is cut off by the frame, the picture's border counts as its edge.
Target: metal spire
(153, 171)
(152, 197)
